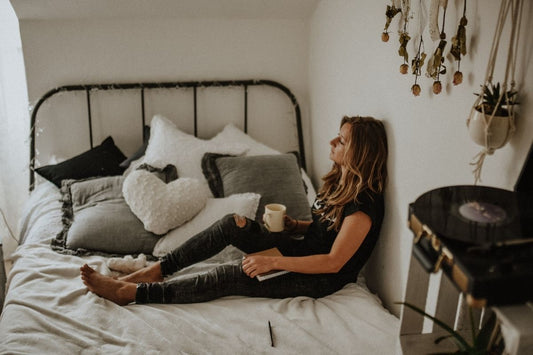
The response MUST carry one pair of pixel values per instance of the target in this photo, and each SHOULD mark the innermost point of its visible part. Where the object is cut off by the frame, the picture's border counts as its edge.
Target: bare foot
(150, 273)
(118, 291)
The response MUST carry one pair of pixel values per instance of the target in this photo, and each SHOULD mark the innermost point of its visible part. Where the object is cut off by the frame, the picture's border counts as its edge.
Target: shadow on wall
(387, 251)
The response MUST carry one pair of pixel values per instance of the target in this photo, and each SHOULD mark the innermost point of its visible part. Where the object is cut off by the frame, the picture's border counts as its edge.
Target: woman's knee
(235, 220)
(243, 233)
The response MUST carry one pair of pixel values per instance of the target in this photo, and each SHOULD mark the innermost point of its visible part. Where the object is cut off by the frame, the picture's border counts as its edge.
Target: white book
(272, 273)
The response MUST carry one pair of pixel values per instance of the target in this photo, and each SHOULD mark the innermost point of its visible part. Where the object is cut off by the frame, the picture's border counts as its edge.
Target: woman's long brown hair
(365, 168)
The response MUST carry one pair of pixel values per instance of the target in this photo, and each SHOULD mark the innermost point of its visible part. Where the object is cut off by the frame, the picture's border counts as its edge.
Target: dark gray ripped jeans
(229, 279)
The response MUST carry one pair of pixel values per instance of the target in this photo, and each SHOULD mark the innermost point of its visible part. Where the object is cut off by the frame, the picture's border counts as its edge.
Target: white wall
(65, 51)
(352, 72)
(94, 50)
(132, 42)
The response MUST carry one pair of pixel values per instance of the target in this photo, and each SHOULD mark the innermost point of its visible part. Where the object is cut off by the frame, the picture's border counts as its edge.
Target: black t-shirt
(319, 239)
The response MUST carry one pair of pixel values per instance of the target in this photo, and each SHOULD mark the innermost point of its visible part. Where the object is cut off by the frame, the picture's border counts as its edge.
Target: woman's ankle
(150, 273)
(156, 273)
(126, 293)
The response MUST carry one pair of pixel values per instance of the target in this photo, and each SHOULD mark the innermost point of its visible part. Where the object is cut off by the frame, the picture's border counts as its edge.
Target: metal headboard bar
(143, 110)
(195, 111)
(165, 85)
(245, 108)
(88, 93)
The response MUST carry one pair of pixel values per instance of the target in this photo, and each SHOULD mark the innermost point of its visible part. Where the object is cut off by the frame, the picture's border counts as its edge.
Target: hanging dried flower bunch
(404, 37)
(459, 46)
(402, 51)
(391, 11)
(435, 66)
(416, 67)
(436, 60)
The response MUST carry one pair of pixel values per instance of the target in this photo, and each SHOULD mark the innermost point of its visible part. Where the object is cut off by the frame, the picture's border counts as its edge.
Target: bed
(108, 209)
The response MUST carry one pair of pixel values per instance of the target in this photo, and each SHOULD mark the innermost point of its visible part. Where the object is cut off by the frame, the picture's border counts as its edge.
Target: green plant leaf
(440, 339)
(491, 101)
(459, 340)
(472, 324)
(482, 340)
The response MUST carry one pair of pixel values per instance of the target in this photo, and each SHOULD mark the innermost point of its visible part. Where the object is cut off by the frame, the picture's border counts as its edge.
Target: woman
(347, 217)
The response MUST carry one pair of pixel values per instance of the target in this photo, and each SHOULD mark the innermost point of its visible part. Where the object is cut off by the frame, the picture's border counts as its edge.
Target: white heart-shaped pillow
(162, 207)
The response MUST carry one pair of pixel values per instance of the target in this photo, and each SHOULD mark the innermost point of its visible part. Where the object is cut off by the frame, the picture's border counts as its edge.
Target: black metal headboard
(194, 85)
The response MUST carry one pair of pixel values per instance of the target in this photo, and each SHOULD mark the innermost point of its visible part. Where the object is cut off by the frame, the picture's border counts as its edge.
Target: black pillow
(167, 174)
(102, 160)
(277, 178)
(139, 152)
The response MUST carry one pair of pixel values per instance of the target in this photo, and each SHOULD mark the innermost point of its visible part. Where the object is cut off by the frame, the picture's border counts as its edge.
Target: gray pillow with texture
(97, 220)
(277, 178)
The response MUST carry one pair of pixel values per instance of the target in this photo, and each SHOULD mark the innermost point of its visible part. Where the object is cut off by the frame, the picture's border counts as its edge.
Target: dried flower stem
(459, 45)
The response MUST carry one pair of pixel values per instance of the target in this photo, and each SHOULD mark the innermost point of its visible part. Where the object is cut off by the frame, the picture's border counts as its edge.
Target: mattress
(49, 310)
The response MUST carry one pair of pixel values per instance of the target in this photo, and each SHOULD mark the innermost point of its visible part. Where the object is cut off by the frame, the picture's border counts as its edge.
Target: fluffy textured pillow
(276, 178)
(161, 206)
(169, 145)
(140, 151)
(243, 204)
(97, 220)
(102, 160)
(231, 133)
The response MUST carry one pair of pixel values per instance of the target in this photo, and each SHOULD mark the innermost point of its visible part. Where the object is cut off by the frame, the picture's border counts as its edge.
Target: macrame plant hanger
(515, 8)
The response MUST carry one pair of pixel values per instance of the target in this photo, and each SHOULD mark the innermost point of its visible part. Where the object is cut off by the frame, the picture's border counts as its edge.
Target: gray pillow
(277, 178)
(97, 220)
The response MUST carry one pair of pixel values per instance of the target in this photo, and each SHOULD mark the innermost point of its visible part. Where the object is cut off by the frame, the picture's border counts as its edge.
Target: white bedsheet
(49, 311)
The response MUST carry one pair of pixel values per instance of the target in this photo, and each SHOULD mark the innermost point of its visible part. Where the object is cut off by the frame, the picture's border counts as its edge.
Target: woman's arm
(296, 226)
(353, 231)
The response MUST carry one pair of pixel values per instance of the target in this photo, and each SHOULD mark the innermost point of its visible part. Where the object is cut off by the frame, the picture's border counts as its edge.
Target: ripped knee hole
(240, 221)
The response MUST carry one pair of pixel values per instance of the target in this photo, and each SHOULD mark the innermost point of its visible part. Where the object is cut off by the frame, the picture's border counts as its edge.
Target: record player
(481, 237)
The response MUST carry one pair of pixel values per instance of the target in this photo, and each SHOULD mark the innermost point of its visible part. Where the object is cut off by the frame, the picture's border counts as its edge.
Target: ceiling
(238, 9)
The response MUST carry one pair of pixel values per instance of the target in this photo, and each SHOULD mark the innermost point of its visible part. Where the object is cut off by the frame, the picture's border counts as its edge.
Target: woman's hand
(290, 223)
(257, 264)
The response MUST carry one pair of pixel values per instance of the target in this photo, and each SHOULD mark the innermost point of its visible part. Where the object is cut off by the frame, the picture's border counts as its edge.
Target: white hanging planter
(490, 133)
(484, 126)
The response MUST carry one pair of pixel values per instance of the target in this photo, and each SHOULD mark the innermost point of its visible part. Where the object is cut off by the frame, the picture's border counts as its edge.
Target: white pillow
(160, 206)
(169, 145)
(232, 133)
(244, 204)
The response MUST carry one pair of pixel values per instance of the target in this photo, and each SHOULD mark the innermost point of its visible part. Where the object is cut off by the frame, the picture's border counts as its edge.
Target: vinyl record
(476, 214)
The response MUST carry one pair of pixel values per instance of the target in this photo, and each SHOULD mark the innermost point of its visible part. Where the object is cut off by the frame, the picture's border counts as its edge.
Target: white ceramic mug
(273, 217)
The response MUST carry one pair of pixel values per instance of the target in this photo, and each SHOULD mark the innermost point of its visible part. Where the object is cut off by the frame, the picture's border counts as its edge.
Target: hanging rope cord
(516, 9)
